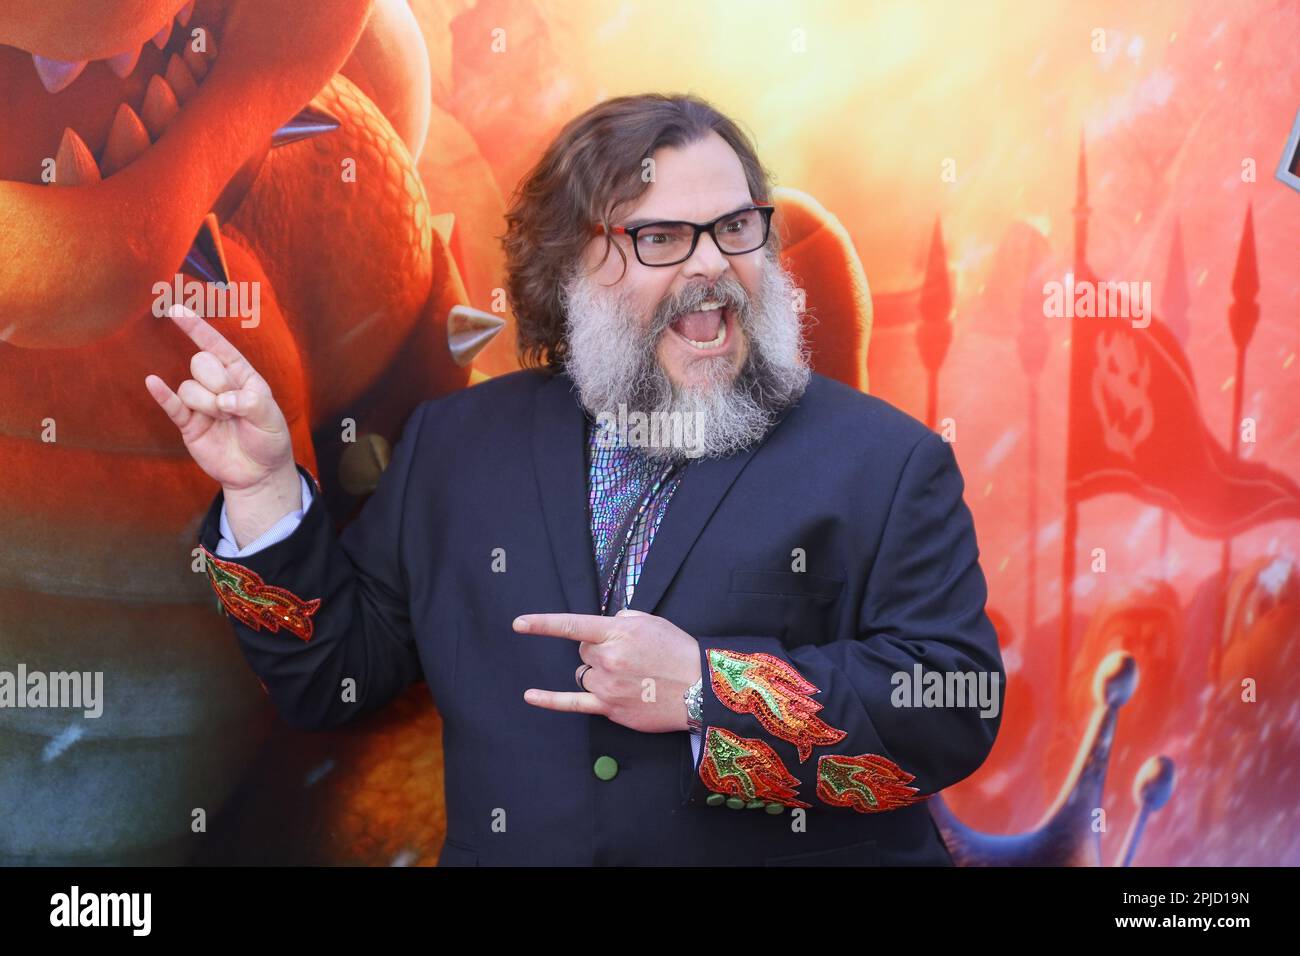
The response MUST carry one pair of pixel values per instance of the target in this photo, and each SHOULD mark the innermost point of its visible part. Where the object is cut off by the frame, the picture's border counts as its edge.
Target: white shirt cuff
(277, 532)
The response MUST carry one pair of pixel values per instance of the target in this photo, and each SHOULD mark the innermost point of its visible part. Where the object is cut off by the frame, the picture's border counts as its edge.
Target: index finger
(588, 628)
(210, 340)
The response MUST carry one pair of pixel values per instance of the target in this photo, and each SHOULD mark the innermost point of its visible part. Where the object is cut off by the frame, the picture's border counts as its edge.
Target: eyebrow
(643, 220)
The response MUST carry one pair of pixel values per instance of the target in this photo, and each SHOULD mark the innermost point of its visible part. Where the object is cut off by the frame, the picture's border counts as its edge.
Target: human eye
(739, 222)
(664, 233)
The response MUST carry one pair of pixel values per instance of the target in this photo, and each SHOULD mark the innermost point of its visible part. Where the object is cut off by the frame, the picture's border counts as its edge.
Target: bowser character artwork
(279, 156)
(269, 146)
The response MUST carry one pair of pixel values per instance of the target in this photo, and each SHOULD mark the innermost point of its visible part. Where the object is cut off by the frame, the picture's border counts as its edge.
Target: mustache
(728, 291)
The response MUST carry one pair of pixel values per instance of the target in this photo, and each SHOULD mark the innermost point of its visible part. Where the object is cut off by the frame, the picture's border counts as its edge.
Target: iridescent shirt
(624, 489)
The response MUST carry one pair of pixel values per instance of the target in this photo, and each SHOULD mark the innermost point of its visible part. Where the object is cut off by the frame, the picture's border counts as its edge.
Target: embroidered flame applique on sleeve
(868, 783)
(742, 767)
(775, 693)
(257, 604)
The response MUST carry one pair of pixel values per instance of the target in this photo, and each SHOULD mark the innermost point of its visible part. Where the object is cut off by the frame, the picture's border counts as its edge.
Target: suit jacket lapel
(704, 484)
(702, 487)
(559, 456)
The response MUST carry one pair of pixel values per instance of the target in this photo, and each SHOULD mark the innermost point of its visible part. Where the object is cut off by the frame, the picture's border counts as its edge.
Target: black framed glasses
(669, 242)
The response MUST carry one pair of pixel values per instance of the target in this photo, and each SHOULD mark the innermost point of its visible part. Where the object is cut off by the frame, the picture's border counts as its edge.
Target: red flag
(1136, 428)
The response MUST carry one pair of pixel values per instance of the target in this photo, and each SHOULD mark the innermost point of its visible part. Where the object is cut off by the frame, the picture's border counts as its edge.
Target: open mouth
(152, 141)
(150, 82)
(706, 330)
(113, 109)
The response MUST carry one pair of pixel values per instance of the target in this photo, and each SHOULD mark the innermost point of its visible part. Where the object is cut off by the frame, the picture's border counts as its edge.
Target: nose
(707, 260)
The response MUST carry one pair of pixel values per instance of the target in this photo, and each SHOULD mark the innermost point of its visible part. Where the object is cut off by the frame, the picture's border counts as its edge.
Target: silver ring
(581, 674)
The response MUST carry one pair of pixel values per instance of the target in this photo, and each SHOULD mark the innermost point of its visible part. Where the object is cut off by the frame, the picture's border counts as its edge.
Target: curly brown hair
(591, 171)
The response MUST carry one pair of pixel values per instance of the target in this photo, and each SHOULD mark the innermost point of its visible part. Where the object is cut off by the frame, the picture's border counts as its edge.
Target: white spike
(197, 62)
(442, 224)
(469, 331)
(127, 139)
(57, 74)
(74, 164)
(123, 64)
(180, 79)
(159, 107)
(162, 36)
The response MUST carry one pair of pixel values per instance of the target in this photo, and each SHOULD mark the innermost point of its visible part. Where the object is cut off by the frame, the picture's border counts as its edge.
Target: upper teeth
(58, 75)
(709, 306)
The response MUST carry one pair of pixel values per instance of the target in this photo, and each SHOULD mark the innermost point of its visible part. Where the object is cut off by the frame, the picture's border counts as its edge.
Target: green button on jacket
(606, 768)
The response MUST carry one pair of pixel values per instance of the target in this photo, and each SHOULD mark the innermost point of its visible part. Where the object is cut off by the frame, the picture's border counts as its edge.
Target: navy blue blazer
(812, 569)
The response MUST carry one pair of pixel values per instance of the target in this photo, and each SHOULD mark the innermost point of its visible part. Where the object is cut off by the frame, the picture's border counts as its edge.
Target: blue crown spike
(1152, 788)
(310, 121)
(1066, 837)
(207, 256)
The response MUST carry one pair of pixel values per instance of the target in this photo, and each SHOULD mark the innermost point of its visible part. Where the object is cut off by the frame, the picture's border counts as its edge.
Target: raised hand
(232, 427)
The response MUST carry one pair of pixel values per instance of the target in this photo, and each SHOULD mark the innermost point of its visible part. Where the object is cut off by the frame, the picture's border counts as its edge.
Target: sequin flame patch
(741, 767)
(868, 783)
(256, 604)
(775, 693)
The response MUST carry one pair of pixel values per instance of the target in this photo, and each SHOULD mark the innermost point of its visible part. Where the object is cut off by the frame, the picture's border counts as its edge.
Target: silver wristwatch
(695, 706)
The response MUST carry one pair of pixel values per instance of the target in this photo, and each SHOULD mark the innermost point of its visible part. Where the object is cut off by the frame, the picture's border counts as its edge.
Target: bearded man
(670, 590)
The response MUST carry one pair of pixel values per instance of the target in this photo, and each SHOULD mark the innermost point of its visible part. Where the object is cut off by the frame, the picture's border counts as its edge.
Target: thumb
(246, 403)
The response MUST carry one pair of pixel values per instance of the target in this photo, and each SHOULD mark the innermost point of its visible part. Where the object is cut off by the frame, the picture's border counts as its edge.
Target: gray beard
(613, 362)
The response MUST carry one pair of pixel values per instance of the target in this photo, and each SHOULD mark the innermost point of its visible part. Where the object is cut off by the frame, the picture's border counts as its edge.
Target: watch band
(694, 697)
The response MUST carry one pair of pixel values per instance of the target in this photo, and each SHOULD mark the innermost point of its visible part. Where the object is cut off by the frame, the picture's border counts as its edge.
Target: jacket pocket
(787, 584)
(855, 854)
